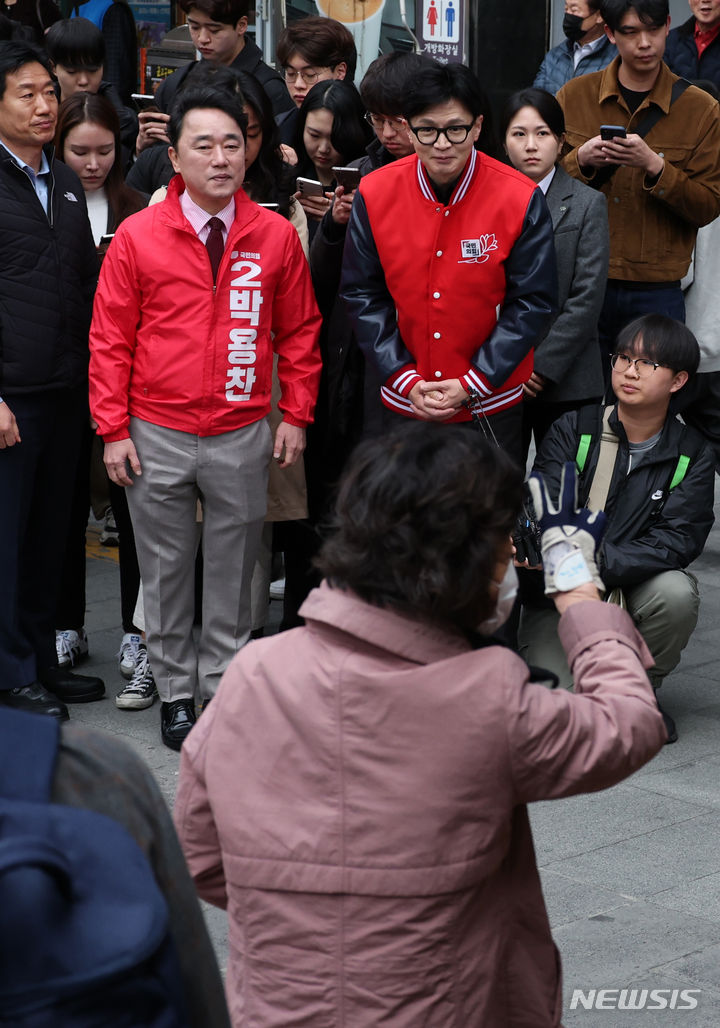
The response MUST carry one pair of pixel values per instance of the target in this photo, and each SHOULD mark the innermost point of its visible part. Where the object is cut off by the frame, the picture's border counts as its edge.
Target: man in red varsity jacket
(449, 267)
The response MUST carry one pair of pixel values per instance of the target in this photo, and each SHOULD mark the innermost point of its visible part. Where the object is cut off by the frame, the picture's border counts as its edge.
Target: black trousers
(37, 477)
(70, 612)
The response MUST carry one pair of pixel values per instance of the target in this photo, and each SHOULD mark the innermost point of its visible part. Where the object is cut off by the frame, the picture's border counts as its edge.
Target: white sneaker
(70, 647)
(277, 589)
(140, 692)
(127, 655)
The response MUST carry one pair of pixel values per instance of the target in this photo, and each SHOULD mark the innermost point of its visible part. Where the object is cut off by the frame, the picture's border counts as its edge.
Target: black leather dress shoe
(34, 699)
(176, 720)
(72, 688)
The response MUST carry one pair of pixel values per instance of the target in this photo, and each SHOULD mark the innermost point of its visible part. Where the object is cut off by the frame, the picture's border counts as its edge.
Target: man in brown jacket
(661, 180)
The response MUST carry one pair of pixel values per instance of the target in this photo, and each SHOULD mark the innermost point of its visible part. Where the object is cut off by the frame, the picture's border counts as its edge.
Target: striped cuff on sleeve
(474, 380)
(402, 381)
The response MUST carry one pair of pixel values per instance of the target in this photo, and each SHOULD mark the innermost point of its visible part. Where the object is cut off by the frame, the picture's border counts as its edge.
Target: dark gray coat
(569, 356)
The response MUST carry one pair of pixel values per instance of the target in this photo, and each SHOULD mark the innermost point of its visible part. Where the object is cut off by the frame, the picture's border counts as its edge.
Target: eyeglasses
(378, 121)
(308, 75)
(428, 134)
(644, 367)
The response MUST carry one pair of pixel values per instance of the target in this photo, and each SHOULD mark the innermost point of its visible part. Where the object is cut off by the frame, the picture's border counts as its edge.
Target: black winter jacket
(151, 170)
(650, 528)
(681, 55)
(48, 273)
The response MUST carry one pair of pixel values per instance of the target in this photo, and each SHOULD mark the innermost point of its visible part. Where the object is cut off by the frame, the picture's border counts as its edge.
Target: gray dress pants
(664, 608)
(228, 474)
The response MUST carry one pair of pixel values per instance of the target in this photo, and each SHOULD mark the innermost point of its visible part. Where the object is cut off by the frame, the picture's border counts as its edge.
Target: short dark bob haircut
(384, 85)
(541, 101)
(350, 132)
(14, 55)
(441, 83)
(322, 42)
(205, 97)
(662, 339)
(652, 12)
(423, 516)
(75, 43)
(224, 12)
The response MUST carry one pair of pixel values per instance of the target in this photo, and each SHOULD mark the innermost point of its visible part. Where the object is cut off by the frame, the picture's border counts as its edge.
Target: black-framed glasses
(429, 134)
(378, 121)
(643, 366)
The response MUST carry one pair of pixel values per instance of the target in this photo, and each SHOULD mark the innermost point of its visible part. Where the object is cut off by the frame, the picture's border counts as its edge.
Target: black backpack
(84, 939)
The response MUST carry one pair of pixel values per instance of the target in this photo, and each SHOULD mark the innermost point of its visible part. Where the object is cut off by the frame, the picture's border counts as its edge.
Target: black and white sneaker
(140, 692)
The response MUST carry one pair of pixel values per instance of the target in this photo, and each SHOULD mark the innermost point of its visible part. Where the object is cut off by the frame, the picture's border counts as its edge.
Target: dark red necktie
(215, 245)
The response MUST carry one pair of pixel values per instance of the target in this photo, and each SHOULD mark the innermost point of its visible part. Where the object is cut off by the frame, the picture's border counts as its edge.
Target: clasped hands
(437, 401)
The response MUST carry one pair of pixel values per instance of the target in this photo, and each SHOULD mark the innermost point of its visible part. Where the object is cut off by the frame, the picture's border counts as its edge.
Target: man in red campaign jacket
(449, 267)
(196, 294)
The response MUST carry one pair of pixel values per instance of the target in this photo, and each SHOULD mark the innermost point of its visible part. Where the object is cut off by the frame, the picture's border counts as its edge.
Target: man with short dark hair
(383, 91)
(660, 173)
(116, 21)
(195, 296)
(218, 30)
(449, 267)
(312, 50)
(76, 47)
(693, 48)
(585, 48)
(48, 269)
(658, 495)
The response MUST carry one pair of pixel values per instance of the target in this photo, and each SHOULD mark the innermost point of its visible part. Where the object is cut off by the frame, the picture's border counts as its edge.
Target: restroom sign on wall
(440, 27)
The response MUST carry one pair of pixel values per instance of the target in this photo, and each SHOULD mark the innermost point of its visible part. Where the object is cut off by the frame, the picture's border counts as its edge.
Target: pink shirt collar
(199, 218)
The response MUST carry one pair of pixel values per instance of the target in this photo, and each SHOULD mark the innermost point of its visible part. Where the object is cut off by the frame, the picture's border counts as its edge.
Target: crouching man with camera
(654, 479)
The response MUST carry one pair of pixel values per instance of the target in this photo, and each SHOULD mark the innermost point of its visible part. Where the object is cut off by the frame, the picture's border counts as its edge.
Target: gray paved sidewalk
(631, 875)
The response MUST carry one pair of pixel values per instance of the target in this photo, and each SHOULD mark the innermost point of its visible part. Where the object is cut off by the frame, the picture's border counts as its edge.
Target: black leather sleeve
(367, 298)
(530, 297)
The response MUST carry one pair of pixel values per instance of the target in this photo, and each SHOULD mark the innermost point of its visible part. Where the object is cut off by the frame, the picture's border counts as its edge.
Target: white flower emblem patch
(477, 251)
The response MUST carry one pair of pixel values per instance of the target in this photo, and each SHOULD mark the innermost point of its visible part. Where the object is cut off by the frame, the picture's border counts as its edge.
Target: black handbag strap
(646, 123)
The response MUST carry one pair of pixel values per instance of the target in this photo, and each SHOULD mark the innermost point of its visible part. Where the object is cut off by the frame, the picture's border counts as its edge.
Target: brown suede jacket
(652, 223)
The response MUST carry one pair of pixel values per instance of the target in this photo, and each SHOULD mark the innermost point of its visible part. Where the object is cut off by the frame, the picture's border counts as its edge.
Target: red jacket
(459, 291)
(168, 348)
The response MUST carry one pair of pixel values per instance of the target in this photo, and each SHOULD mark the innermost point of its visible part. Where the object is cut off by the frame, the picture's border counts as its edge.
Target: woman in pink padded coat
(355, 795)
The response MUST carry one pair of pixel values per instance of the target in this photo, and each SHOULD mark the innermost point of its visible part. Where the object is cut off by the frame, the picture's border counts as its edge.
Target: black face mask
(572, 27)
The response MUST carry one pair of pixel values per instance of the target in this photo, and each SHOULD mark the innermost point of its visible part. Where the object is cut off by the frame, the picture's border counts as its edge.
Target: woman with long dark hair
(331, 131)
(568, 369)
(88, 140)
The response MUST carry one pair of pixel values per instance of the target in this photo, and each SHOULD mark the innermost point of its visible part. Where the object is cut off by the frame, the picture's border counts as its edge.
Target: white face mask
(507, 591)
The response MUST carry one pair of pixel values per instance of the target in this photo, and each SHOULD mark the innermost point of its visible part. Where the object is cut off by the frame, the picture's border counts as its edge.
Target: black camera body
(526, 537)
